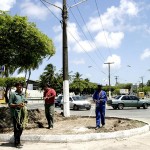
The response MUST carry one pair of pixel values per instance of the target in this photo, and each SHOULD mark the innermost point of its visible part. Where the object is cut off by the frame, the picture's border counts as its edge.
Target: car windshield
(117, 97)
(77, 98)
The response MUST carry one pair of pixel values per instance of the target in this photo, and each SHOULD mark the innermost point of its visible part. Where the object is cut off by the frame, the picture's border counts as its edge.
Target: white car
(78, 102)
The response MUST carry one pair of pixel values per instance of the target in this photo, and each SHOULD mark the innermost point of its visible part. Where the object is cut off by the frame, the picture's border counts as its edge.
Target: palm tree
(48, 76)
(28, 69)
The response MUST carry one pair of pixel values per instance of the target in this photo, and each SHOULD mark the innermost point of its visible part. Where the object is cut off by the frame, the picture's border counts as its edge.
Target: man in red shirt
(49, 97)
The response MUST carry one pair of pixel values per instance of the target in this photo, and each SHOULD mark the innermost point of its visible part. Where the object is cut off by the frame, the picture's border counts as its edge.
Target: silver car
(78, 102)
(122, 101)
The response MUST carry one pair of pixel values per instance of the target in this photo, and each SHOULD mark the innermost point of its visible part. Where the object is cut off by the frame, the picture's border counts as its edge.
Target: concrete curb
(77, 137)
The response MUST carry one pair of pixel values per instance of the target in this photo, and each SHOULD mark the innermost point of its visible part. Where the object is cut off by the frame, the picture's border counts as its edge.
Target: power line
(50, 10)
(88, 31)
(85, 51)
(84, 33)
(71, 34)
(103, 27)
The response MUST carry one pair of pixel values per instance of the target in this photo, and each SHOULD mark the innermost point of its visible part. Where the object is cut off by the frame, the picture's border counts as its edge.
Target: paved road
(126, 112)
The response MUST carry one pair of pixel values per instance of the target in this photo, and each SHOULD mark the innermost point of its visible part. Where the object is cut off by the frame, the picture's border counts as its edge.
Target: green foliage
(22, 45)
(116, 92)
(10, 81)
(124, 86)
(148, 83)
(146, 89)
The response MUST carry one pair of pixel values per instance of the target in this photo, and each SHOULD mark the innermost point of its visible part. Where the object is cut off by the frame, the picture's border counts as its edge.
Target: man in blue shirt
(100, 98)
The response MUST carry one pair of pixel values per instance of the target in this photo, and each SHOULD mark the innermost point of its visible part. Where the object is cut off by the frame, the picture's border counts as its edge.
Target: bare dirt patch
(37, 123)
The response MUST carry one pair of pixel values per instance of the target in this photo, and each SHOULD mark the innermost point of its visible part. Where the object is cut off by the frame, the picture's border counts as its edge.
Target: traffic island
(72, 129)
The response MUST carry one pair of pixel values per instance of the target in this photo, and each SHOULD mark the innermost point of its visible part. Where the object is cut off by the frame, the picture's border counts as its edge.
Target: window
(125, 98)
(134, 98)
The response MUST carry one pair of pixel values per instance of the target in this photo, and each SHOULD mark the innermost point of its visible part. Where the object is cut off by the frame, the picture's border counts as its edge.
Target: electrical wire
(50, 10)
(85, 35)
(102, 27)
(71, 35)
(88, 30)
(85, 51)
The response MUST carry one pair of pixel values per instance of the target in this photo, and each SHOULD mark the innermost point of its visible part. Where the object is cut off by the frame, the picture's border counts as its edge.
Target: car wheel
(114, 107)
(75, 107)
(88, 108)
(138, 107)
(61, 106)
(120, 106)
(145, 106)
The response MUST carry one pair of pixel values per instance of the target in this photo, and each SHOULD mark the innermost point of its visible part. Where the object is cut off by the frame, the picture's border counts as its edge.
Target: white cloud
(6, 5)
(146, 54)
(111, 40)
(73, 33)
(114, 17)
(129, 7)
(77, 62)
(35, 10)
(75, 42)
(82, 46)
(116, 60)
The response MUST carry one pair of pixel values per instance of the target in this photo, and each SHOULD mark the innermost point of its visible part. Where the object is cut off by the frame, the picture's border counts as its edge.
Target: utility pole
(66, 106)
(109, 63)
(142, 83)
(116, 77)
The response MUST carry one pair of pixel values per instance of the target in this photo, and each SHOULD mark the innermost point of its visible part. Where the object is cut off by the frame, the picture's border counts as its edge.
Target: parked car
(122, 101)
(58, 100)
(78, 102)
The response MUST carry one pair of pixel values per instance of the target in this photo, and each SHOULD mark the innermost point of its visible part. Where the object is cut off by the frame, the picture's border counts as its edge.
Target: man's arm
(11, 104)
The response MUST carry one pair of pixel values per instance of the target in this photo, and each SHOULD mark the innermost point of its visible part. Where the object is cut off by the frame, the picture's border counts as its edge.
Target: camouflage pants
(49, 113)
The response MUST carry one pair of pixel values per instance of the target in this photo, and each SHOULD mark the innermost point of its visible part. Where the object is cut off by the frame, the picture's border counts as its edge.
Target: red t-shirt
(49, 92)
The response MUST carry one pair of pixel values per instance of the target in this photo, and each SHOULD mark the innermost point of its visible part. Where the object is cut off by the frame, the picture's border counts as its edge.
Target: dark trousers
(18, 129)
(49, 113)
(100, 115)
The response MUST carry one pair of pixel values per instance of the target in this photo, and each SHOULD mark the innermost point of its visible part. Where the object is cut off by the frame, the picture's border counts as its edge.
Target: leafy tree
(148, 83)
(48, 75)
(22, 45)
(7, 83)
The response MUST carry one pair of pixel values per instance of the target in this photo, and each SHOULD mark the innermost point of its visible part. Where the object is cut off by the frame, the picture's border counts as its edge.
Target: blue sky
(98, 32)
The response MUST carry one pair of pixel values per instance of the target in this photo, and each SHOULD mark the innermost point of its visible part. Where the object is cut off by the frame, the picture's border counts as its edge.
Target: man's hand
(20, 105)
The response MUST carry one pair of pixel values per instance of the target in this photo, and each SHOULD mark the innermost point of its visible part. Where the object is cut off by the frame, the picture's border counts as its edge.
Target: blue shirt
(101, 97)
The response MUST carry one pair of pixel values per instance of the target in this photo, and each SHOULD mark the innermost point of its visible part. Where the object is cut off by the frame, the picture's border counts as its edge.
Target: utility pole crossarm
(51, 4)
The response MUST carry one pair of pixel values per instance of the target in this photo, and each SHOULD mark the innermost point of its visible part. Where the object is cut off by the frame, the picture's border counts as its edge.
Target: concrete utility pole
(109, 63)
(65, 62)
(116, 77)
(66, 107)
(142, 83)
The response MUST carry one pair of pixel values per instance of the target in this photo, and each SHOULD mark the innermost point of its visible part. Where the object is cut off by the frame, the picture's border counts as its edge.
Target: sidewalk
(138, 142)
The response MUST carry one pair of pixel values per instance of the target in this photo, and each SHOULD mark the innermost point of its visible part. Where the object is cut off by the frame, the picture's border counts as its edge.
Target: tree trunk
(6, 93)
